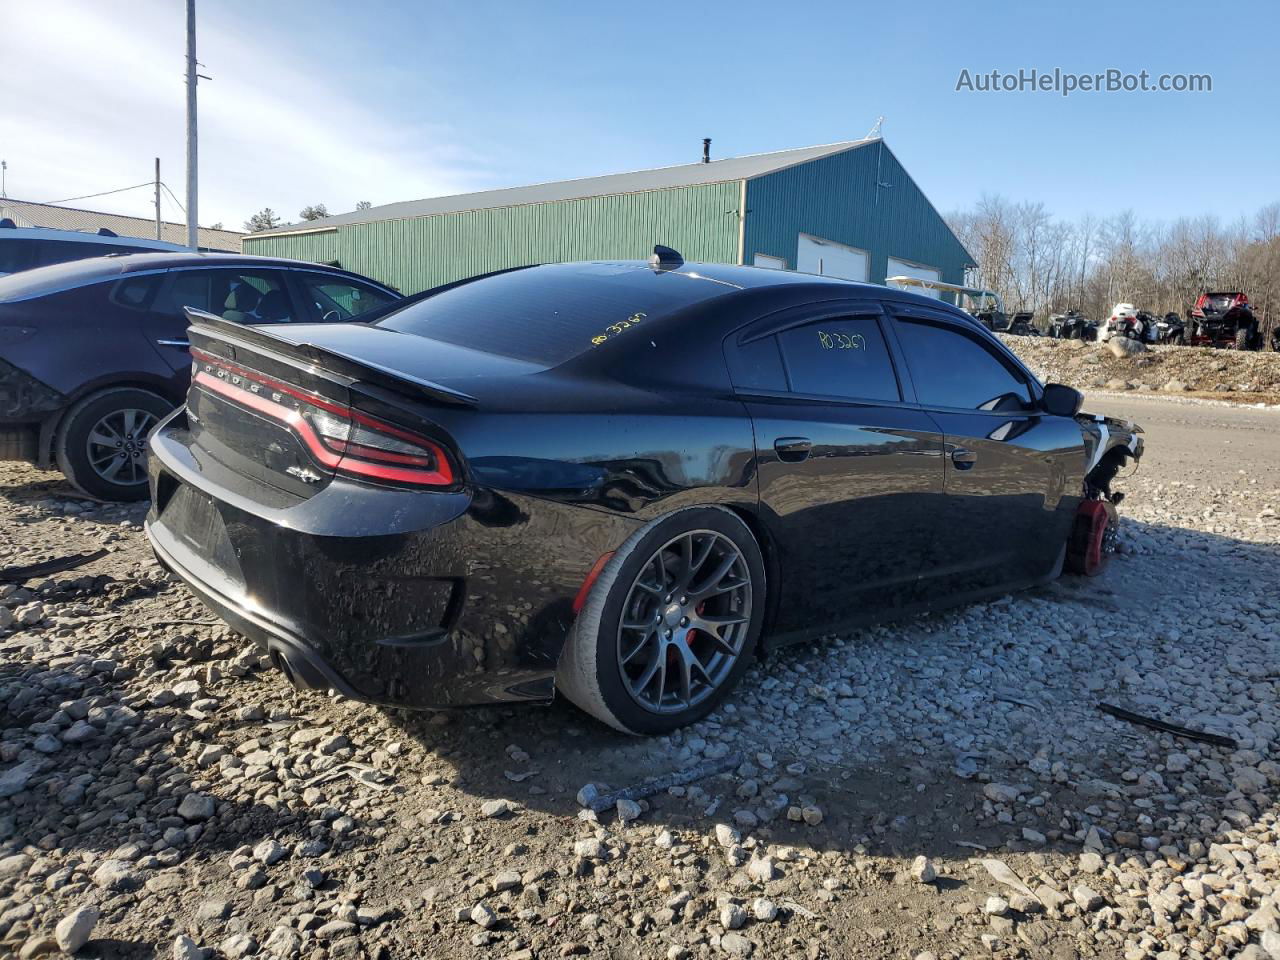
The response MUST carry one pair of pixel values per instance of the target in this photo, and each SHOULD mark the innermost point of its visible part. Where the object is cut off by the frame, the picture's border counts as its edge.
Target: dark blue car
(93, 353)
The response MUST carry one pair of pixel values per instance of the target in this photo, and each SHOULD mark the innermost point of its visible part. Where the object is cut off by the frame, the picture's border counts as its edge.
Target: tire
(594, 671)
(1242, 339)
(80, 450)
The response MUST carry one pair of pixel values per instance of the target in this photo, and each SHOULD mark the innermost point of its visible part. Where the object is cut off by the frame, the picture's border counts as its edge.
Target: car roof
(81, 236)
(42, 281)
(134, 262)
(746, 278)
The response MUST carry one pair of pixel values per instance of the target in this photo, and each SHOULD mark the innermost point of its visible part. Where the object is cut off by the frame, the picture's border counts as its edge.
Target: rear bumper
(358, 590)
(396, 597)
(289, 652)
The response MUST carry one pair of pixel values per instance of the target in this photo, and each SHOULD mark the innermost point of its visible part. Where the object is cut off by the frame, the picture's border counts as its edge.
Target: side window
(841, 357)
(756, 365)
(251, 296)
(337, 300)
(188, 288)
(134, 293)
(952, 369)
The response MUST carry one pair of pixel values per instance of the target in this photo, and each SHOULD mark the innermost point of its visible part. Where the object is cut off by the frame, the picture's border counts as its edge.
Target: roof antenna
(874, 132)
(706, 149)
(664, 259)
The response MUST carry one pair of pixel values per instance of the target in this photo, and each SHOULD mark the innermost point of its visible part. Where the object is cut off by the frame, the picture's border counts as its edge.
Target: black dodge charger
(621, 481)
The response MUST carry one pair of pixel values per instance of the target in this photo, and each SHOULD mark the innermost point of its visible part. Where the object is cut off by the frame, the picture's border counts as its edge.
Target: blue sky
(340, 101)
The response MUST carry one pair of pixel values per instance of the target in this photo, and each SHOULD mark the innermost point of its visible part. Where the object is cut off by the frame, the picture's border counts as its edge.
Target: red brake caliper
(1084, 553)
(692, 634)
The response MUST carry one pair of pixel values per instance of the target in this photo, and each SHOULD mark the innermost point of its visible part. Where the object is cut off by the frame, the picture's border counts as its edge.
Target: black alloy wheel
(670, 625)
(684, 621)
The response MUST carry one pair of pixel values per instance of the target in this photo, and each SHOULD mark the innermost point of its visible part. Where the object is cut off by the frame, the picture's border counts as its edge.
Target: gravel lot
(943, 787)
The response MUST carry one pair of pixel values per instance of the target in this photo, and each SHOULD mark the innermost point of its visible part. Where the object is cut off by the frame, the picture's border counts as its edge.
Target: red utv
(1223, 320)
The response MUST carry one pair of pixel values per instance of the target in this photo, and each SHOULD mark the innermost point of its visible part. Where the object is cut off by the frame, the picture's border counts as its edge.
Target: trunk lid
(294, 414)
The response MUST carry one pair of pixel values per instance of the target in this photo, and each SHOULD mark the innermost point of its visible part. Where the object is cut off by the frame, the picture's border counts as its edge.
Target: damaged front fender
(1109, 443)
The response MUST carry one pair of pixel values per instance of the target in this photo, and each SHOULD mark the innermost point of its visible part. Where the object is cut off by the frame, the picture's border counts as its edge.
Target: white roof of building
(683, 175)
(25, 213)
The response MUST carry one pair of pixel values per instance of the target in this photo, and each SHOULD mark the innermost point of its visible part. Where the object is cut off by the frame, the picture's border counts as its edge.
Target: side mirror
(1061, 401)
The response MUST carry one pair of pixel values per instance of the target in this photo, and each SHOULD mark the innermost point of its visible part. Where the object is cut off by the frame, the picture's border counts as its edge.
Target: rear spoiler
(332, 361)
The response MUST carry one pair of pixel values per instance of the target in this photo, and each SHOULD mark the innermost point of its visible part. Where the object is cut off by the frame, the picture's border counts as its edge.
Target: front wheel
(670, 625)
(102, 443)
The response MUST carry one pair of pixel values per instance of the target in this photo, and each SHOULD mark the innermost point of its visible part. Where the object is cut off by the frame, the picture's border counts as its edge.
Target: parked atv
(1022, 326)
(993, 318)
(1121, 323)
(1224, 320)
(1072, 325)
(1170, 329)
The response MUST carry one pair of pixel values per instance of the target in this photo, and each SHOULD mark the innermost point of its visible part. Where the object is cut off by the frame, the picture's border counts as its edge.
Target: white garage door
(831, 259)
(900, 268)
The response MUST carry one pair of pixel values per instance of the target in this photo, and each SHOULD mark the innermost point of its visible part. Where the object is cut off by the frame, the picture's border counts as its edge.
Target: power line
(89, 196)
(173, 198)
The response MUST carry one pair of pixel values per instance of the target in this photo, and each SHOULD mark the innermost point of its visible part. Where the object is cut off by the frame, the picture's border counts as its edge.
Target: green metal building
(845, 209)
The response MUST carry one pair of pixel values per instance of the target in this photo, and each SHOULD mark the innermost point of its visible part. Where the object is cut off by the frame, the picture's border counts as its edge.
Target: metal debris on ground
(1203, 736)
(364, 775)
(47, 568)
(709, 768)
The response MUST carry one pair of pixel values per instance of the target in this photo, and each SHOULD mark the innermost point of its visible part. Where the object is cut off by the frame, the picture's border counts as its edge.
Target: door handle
(184, 344)
(793, 449)
(963, 459)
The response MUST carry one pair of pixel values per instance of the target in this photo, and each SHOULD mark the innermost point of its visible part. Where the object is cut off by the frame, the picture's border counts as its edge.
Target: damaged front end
(1109, 444)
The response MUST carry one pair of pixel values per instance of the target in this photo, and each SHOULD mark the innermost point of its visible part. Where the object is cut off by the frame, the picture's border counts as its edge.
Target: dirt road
(1213, 442)
(155, 777)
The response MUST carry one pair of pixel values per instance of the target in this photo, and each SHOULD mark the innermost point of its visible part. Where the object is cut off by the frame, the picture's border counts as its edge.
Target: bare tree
(1040, 263)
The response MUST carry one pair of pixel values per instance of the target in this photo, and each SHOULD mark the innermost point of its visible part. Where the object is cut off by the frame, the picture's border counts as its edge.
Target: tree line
(268, 219)
(1046, 264)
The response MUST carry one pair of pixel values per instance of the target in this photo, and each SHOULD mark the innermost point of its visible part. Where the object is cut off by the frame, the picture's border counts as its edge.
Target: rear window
(550, 314)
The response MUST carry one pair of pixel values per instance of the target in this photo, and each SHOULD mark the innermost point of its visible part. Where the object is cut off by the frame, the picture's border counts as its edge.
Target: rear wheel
(102, 443)
(1242, 339)
(670, 625)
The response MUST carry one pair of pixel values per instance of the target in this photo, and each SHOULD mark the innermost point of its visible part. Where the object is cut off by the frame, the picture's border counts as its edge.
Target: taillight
(338, 437)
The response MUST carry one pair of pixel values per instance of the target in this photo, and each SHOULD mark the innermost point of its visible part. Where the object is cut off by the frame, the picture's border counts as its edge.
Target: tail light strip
(431, 469)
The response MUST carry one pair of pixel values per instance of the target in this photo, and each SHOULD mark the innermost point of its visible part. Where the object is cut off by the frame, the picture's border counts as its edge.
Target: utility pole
(158, 237)
(4, 169)
(193, 221)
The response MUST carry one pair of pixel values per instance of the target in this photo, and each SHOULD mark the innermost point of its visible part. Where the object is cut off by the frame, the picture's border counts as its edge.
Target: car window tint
(952, 369)
(840, 357)
(257, 296)
(134, 293)
(242, 296)
(550, 314)
(340, 299)
(188, 288)
(757, 364)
